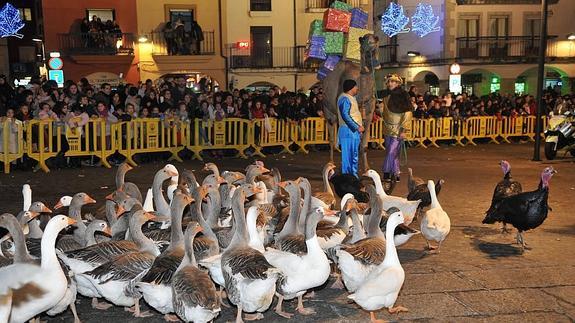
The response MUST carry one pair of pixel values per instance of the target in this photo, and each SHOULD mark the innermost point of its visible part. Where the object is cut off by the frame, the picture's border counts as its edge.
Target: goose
(189, 180)
(162, 207)
(382, 285)
(115, 280)
(357, 231)
(75, 212)
(327, 196)
(213, 168)
(408, 208)
(290, 237)
(195, 298)
(333, 235)
(46, 284)
(357, 260)
(155, 285)
(435, 225)
(14, 227)
(127, 187)
(402, 232)
(505, 188)
(300, 272)
(88, 258)
(10, 281)
(421, 192)
(249, 279)
(68, 243)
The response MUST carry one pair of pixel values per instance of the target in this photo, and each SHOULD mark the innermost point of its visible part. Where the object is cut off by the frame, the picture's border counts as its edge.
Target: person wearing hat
(397, 113)
(350, 127)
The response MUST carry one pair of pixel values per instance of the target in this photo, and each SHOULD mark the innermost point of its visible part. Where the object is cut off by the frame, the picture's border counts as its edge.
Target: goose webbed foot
(254, 317)
(279, 309)
(136, 310)
(100, 306)
(301, 309)
(338, 284)
(374, 319)
(397, 309)
(171, 318)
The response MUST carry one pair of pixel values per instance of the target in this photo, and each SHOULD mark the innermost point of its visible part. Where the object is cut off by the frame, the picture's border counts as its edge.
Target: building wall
(152, 15)
(64, 16)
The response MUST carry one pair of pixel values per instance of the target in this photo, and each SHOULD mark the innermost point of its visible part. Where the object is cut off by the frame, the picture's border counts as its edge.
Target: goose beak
(71, 221)
(553, 171)
(257, 190)
(107, 231)
(45, 209)
(282, 184)
(329, 212)
(58, 205)
(89, 200)
(129, 167)
(265, 170)
(221, 180)
(171, 173)
(119, 211)
(110, 197)
(199, 229)
(33, 215)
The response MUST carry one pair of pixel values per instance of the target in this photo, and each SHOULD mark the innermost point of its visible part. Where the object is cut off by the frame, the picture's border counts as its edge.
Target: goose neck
(326, 184)
(35, 232)
(111, 212)
(75, 212)
(291, 225)
(120, 178)
(342, 223)
(158, 196)
(390, 250)
(48, 247)
(306, 205)
(251, 222)
(241, 236)
(177, 212)
(21, 255)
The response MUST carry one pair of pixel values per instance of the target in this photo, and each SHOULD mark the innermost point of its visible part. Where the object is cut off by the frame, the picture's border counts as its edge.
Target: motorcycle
(560, 135)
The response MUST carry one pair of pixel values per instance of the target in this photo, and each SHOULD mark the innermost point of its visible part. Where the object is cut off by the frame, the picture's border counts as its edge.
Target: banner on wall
(99, 78)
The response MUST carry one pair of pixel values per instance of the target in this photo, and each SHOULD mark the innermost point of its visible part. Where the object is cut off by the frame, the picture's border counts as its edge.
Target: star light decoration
(424, 21)
(394, 20)
(10, 22)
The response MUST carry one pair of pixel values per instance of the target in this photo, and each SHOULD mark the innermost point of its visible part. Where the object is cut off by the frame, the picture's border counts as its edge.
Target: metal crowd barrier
(42, 140)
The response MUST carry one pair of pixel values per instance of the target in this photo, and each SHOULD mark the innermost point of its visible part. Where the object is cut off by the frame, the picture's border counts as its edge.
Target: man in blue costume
(350, 127)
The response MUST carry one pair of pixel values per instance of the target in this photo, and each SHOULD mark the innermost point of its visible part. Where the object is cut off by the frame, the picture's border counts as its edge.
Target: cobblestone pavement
(480, 275)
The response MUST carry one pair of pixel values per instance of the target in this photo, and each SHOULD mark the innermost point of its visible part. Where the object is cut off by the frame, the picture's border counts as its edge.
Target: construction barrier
(42, 140)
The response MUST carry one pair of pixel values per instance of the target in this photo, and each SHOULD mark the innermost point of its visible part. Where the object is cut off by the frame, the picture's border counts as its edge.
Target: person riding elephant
(397, 113)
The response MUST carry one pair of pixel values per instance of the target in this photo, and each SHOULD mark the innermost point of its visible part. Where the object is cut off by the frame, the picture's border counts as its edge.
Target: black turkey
(347, 183)
(505, 188)
(525, 211)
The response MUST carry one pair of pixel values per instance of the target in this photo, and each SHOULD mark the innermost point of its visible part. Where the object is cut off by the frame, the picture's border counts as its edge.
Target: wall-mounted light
(143, 39)
(38, 40)
(571, 36)
(454, 68)
(413, 54)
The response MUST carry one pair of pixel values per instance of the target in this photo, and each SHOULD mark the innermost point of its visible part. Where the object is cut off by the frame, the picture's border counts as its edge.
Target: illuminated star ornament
(10, 22)
(394, 20)
(424, 21)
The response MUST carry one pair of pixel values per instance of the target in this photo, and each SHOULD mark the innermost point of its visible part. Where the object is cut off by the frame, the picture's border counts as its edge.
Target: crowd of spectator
(170, 99)
(96, 33)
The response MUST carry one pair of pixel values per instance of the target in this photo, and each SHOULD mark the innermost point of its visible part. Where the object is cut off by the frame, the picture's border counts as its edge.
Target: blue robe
(349, 138)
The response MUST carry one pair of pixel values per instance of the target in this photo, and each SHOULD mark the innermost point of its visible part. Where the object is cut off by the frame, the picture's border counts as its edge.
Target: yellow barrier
(42, 140)
(310, 131)
(231, 133)
(276, 133)
(12, 142)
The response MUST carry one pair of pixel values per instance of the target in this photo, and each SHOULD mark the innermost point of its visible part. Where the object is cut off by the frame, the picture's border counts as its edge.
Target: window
(262, 45)
(186, 16)
(499, 26)
(26, 14)
(260, 5)
(532, 26)
(103, 14)
(468, 27)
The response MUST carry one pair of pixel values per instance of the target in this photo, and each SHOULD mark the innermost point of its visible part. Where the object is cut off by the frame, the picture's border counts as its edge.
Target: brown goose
(327, 196)
(14, 227)
(75, 212)
(249, 279)
(357, 260)
(127, 187)
(155, 285)
(195, 297)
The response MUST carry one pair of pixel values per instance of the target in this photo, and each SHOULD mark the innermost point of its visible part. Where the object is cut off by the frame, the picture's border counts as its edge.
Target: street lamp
(413, 54)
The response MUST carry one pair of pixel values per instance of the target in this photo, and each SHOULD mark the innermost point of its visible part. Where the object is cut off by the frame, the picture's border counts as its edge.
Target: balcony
(272, 58)
(388, 54)
(512, 49)
(96, 44)
(167, 44)
(321, 5)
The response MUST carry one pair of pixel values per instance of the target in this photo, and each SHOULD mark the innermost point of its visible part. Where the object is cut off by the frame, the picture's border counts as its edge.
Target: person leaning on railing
(10, 122)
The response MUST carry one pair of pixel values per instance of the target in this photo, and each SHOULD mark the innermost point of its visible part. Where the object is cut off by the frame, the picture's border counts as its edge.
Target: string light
(394, 20)
(10, 22)
(424, 21)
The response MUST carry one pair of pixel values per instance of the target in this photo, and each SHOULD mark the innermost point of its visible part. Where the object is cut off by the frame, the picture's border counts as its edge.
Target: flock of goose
(251, 234)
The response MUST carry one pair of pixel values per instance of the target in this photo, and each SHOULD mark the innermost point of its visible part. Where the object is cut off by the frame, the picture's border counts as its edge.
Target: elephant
(363, 74)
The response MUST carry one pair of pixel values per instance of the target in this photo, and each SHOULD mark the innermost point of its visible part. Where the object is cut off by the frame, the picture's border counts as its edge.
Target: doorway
(262, 44)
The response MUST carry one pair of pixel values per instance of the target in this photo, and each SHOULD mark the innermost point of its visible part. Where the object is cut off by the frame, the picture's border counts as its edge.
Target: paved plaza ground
(480, 275)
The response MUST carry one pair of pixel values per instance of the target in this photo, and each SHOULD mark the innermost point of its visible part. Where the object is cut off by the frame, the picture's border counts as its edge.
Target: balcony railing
(261, 58)
(503, 48)
(388, 54)
(97, 43)
(168, 44)
(322, 4)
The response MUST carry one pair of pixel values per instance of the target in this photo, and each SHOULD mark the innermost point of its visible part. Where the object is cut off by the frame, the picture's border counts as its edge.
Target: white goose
(408, 208)
(382, 285)
(435, 225)
(48, 285)
(301, 271)
(250, 279)
(162, 206)
(195, 298)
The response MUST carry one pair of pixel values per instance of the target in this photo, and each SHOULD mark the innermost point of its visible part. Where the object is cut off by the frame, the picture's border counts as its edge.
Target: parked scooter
(560, 135)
